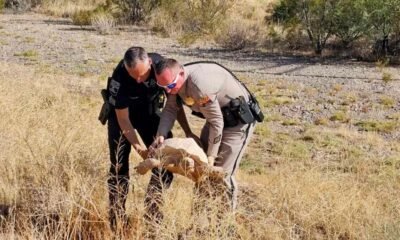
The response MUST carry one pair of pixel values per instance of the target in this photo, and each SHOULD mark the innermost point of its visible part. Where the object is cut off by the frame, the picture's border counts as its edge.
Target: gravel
(317, 88)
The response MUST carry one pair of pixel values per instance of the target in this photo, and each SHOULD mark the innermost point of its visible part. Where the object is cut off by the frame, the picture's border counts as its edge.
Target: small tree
(383, 16)
(350, 21)
(315, 16)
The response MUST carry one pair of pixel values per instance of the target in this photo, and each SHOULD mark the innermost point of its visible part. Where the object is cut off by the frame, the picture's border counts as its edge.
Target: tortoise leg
(183, 166)
(147, 165)
(187, 164)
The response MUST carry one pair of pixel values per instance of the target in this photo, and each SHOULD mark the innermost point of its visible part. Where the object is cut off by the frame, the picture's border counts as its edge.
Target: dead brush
(103, 23)
(67, 8)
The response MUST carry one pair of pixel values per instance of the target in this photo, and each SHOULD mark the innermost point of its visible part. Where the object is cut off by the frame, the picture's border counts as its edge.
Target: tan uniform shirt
(207, 88)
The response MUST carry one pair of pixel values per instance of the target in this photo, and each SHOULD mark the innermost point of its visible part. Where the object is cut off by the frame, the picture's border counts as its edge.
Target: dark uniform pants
(118, 181)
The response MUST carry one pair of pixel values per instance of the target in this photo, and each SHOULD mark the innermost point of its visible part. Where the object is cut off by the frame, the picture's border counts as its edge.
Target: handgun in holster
(105, 109)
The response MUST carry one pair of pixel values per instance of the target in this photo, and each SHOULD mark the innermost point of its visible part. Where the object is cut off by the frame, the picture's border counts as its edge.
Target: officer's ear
(150, 61)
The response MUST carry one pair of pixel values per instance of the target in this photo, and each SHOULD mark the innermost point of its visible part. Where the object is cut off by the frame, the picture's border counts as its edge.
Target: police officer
(135, 101)
(214, 92)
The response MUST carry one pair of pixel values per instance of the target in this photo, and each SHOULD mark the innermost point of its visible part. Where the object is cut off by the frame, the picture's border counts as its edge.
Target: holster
(105, 108)
(256, 110)
(238, 110)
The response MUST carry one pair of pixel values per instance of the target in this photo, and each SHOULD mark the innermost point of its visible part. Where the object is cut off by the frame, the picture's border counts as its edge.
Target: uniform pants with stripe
(233, 144)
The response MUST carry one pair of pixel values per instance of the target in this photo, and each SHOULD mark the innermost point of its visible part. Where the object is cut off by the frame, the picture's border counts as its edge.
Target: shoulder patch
(217, 139)
(114, 87)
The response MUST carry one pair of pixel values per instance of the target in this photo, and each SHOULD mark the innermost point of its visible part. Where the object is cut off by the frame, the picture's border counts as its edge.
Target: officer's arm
(168, 116)
(128, 130)
(212, 113)
(181, 117)
(182, 120)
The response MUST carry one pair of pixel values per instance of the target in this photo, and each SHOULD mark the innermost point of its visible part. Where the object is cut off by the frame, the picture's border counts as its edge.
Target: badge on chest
(188, 100)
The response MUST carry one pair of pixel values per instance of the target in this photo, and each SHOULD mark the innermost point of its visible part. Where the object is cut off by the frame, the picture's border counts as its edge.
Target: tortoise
(182, 156)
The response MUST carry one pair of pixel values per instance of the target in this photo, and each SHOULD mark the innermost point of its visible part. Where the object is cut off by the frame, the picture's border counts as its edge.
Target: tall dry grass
(67, 8)
(323, 184)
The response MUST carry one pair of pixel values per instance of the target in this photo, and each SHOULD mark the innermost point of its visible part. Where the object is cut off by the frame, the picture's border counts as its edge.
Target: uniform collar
(186, 78)
(151, 80)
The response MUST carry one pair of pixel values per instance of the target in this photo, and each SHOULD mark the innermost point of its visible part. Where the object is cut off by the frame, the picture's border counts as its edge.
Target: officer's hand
(156, 144)
(147, 165)
(211, 161)
(143, 152)
(196, 138)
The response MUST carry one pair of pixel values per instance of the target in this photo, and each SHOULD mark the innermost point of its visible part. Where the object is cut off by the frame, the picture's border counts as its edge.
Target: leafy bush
(377, 126)
(315, 16)
(348, 20)
(2, 4)
(383, 17)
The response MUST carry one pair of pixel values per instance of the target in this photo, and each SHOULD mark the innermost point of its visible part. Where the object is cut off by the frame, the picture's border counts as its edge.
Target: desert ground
(325, 164)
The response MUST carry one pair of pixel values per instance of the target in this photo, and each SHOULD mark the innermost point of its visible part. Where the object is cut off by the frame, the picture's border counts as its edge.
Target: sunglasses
(171, 85)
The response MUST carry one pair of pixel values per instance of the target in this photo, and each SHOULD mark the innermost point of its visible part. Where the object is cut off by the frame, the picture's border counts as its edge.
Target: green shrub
(387, 101)
(27, 54)
(350, 21)
(2, 2)
(376, 126)
(386, 77)
(340, 116)
(290, 122)
(383, 18)
(315, 17)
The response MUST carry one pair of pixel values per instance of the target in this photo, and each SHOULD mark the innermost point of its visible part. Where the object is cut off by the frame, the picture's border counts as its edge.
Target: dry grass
(322, 184)
(103, 23)
(244, 25)
(67, 8)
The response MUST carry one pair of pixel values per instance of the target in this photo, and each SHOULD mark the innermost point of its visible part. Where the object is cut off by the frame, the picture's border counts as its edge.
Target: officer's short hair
(133, 55)
(166, 63)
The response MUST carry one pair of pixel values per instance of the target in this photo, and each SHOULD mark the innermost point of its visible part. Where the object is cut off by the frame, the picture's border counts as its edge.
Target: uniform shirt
(207, 88)
(125, 92)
